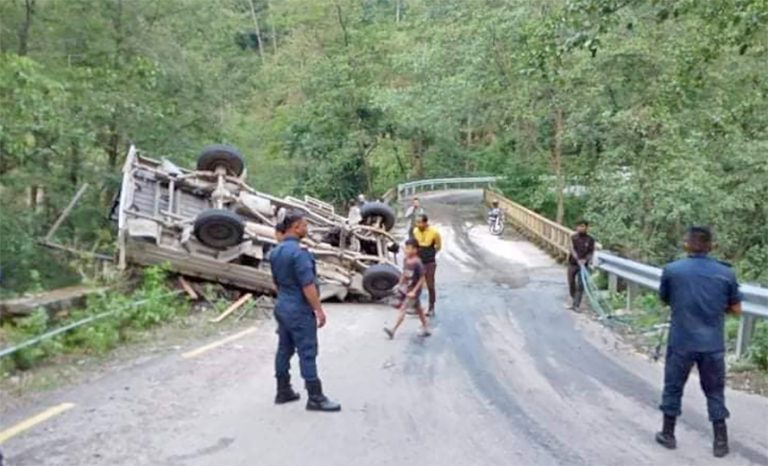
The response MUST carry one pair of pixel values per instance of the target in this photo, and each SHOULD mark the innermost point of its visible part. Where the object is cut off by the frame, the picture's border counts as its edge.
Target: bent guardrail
(637, 275)
(412, 187)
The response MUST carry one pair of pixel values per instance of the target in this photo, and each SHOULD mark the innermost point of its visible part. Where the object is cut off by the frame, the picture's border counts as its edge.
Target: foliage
(150, 304)
(758, 350)
(644, 116)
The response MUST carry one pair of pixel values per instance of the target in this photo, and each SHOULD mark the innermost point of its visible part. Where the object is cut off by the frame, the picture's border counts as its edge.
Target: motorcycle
(496, 224)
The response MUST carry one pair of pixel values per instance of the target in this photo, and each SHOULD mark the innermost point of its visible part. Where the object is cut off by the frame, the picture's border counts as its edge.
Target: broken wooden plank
(235, 306)
(188, 289)
(78, 252)
(65, 213)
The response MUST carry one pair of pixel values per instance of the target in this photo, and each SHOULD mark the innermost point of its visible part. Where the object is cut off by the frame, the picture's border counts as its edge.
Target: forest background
(643, 116)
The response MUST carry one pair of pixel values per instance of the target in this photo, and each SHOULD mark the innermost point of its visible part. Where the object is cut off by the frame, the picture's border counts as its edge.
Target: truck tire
(220, 155)
(219, 228)
(370, 210)
(380, 279)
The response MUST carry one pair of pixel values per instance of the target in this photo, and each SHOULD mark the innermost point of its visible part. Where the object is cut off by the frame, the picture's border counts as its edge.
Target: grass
(158, 305)
(647, 312)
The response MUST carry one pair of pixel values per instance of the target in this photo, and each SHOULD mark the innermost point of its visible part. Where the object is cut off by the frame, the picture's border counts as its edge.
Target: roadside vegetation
(644, 325)
(643, 116)
(132, 313)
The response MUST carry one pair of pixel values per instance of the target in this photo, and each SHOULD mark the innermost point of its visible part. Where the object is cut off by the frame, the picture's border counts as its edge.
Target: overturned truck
(208, 223)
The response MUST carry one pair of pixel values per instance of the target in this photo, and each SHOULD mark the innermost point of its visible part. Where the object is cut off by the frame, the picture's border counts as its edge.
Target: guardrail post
(746, 330)
(632, 291)
(613, 283)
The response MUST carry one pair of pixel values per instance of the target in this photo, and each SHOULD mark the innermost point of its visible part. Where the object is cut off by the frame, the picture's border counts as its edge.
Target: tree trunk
(417, 156)
(343, 25)
(367, 166)
(397, 10)
(29, 10)
(258, 31)
(113, 134)
(272, 27)
(32, 197)
(113, 144)
(469, 130)
(400, 164)
(74, 164)
(557, 165)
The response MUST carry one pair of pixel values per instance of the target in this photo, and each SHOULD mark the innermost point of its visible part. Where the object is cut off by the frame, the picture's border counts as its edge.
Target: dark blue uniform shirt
(293, 268)
(699, 290)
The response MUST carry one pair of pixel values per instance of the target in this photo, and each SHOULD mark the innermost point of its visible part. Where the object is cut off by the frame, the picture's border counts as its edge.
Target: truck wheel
(219, 228)
(220, 155)
(371, 210)
(380, 279)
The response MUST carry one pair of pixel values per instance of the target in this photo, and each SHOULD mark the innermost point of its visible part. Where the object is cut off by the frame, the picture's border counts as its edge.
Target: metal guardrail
(636, 274)
(754, 305)
(412, 187)
(550, 234)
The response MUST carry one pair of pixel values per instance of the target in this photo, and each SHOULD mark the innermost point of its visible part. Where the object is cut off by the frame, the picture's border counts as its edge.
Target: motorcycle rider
(494, 213)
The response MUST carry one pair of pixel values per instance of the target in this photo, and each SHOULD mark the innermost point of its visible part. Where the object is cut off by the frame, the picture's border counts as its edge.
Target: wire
(68, 327)
(599, 304)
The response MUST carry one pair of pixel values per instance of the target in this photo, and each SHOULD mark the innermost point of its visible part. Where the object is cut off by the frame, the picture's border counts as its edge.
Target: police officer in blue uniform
(298, 313)
(700, 291)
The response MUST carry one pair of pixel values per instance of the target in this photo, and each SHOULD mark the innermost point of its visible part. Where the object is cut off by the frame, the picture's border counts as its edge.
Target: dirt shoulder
(23, 387)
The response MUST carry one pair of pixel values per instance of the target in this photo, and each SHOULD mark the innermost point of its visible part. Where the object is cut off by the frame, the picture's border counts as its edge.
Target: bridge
(555, 238)
(508, 376)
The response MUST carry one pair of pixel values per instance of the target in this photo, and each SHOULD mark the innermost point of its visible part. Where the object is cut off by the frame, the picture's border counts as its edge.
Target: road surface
(508, 378)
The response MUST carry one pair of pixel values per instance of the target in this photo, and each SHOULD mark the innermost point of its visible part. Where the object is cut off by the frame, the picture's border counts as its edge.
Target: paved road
(508, 378)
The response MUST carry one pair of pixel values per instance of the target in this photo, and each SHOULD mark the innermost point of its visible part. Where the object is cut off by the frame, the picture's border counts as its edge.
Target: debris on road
(235, 306)
(188, 289)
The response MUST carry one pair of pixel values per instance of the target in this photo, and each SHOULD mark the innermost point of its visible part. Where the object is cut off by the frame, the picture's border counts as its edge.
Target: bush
(27, 328)
(149, 305)
(758, 350)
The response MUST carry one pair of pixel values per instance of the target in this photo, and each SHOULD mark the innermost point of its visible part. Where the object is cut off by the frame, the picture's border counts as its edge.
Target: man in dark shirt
(582, 250)
(299, 314)
(700, 291)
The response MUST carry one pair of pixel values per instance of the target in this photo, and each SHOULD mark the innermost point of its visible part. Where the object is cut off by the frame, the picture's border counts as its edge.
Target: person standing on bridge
(413, 212)
(700, 291)
(299, 314)
(582, 250)
(430, 244)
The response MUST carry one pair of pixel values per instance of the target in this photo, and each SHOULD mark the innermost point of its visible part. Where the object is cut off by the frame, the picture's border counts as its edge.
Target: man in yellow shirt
(430, 244)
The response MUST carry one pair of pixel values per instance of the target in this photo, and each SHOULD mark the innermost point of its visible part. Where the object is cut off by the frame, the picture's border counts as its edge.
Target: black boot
(285, 393)
(317, 401)
(667, 435)
(720, 447)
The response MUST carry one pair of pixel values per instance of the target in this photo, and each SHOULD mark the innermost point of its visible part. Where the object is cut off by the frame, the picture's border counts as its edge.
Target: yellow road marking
(216, 344)
(34, 420)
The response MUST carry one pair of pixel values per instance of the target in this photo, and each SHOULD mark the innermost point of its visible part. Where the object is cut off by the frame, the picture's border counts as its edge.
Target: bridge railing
(556, 238)
(411, 188)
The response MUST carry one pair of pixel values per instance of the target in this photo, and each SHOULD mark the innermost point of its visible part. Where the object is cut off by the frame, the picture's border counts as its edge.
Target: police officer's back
(700, 291)
(299, 314)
